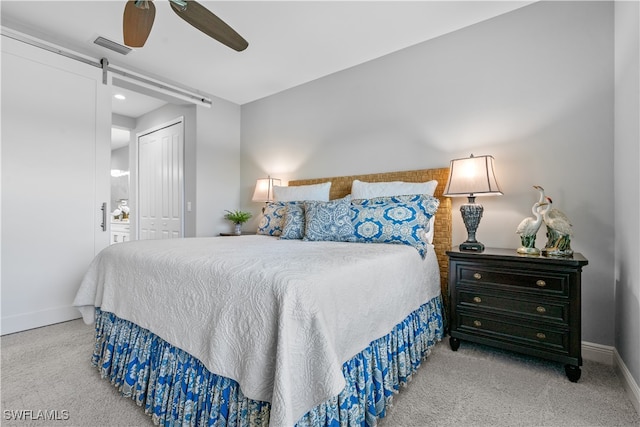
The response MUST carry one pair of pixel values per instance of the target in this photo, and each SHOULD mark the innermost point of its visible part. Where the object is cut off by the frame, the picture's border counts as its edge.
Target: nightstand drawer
(512, 304)
(506, 330)
(535, 281)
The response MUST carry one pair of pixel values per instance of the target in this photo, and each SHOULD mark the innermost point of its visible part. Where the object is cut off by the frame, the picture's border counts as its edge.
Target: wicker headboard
(341, 186)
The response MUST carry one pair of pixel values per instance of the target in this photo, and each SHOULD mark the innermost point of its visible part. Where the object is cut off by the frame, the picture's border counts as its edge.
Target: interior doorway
(128, 107)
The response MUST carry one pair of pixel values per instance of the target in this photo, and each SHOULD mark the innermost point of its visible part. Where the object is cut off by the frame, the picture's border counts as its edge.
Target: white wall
(627, 184)
(533, 87)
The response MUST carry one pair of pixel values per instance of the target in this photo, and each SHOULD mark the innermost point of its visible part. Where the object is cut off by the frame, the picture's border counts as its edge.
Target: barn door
(161, 182)
(55, 162)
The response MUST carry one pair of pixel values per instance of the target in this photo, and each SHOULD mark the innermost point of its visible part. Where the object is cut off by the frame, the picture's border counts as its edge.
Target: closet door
(55, 169)
(161, 182)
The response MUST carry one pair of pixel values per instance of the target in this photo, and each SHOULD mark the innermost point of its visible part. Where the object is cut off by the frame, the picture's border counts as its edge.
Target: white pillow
(371, 190)
(318, 192)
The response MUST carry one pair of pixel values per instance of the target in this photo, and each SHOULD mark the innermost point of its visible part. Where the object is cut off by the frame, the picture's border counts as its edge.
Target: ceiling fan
(139, 15)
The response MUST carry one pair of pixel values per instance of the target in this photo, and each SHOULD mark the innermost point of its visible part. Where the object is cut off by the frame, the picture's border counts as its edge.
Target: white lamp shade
(264, 189)
(472, 176)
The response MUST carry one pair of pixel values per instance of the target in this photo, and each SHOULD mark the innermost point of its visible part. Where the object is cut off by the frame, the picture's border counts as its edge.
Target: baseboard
(598, 353)
(629, 383)
(37, 319)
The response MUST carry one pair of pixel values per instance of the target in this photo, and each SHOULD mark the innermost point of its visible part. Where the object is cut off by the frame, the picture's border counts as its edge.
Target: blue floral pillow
(272, 221)
(293, 222)
(328, 220)
(397, 219)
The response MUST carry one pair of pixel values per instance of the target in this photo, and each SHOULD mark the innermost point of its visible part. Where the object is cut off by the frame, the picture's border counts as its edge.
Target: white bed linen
(278, 316)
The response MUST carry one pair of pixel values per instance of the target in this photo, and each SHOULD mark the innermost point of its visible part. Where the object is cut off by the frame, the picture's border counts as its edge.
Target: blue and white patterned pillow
(272, 221)
(293, 222)
(397, 219)
(328, 220)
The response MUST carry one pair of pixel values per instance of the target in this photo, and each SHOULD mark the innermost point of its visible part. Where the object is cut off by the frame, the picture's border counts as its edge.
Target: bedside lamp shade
(264, 189)
(471, 177)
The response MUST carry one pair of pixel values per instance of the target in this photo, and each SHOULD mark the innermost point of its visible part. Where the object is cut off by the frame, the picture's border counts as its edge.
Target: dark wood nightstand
(529, 304)
(244, 233)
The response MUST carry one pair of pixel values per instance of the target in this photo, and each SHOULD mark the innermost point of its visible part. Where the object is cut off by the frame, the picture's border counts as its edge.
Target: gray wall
(534, 88)
(217, 166)
(627, 184)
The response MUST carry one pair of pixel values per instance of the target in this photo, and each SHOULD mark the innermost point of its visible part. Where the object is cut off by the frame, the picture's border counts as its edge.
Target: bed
(260, 330)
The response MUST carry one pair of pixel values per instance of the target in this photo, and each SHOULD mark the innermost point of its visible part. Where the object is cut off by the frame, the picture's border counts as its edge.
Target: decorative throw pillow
(371, 190)
(398, 219)
(272, 221)
(293, 222)
(318, 192)
(328, 220)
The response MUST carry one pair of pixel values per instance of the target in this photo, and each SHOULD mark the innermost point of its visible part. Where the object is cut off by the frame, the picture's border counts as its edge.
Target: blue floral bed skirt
(176, 389)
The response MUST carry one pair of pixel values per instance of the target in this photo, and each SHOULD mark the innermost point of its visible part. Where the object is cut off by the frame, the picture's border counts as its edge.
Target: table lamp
(471, 177)
(264, 190)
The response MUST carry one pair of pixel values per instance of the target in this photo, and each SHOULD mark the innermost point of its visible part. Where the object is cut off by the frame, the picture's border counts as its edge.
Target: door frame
(178, 120)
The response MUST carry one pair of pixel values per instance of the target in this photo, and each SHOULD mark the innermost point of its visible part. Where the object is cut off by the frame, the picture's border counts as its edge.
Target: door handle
(103, 208)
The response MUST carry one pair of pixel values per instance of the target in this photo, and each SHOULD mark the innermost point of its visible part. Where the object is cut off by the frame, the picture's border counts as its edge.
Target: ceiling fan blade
(204, 20)
(137, 22)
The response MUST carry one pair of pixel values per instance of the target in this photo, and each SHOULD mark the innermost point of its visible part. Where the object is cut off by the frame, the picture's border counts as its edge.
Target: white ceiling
(290, 42)
(135, 104)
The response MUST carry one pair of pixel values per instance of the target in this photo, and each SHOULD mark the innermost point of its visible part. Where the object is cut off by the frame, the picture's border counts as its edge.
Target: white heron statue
(528, 229)
(551, 211)
(559, 231)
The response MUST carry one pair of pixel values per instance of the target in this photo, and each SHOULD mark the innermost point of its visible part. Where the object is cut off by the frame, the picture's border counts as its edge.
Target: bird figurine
(559, 231)
(528, 229)
(553, 212)
(542, 198)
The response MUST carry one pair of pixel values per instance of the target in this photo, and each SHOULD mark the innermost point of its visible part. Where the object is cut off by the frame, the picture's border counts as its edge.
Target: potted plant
(238, 218)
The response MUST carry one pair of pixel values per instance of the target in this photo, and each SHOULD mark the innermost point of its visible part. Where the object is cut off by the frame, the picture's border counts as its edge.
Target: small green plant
(237, 217)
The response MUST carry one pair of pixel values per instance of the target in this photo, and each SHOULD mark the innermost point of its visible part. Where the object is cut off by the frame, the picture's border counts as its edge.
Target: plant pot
(237, 230)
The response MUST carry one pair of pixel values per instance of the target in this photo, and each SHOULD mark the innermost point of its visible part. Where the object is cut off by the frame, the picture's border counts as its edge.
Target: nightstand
(523, 303)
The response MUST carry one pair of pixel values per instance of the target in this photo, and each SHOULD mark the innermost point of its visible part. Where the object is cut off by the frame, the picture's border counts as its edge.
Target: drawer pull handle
(541, 309)
(477, 276)
(477, 299)
(541, 336)
(477, 323)
(541, 283)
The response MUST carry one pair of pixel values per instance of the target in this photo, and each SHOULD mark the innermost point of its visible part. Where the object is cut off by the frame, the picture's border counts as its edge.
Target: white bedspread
(278, 316)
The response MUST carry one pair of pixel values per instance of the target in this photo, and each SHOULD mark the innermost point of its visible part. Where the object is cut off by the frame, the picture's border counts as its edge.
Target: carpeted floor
(49, 369)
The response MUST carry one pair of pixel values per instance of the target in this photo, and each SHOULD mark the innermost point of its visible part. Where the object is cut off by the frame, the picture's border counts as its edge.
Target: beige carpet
(49, 369)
